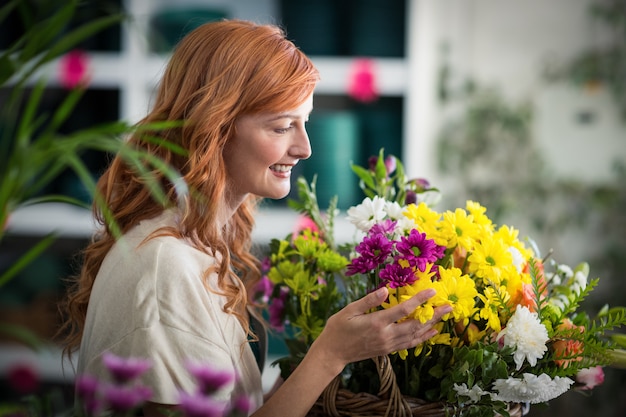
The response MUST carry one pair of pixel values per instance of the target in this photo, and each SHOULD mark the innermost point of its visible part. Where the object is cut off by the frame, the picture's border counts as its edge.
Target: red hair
(218, 72)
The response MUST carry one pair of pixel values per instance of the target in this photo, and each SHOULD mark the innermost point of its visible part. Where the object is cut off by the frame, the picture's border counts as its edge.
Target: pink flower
(242, 404)
(74, 69)
(23, 378)
(305, 223)
(125, 369)
(590, 377)
(277, 310)
(390, 164)
(122, 398)
(263, 289)
(210, 380)
(86, 390)
(362, 86)
(197, 405)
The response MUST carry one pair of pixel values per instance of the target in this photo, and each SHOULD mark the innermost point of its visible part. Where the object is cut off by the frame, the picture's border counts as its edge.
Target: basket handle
(389, 390)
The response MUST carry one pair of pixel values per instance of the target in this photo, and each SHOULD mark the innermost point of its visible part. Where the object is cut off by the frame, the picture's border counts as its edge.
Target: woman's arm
(350, 335)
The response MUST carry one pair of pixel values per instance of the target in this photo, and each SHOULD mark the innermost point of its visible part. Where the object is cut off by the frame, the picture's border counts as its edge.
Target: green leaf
(7, 9)
(63, 111)
(77, 35)
(26, 258)
(22, 334)
(364, 175)
(26, 124)
(7, 68)
(37, 38)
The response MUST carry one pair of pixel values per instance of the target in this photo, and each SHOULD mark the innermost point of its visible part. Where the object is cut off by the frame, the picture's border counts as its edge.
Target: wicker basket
(389, 402)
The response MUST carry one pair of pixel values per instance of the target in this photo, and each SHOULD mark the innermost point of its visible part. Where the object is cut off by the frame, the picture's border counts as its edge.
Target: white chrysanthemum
(565, 271)
(518, 258)
(560, 301)
(555, 279)
(579, 282)
(525, 332)
(532, 388)
(404, 226)
(394, 210)
(368, 213)
(474, 394)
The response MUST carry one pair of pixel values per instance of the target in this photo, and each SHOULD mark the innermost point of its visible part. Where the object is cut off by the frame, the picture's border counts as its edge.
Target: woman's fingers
(370, 301)
(405, 308)
(410, 333)
(357, 333)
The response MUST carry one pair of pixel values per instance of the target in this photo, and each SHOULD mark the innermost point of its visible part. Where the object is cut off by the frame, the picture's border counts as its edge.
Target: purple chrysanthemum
(209, 379)
(418, 250)
(124, 398)
(198, 405)
(373, 251)
(358, 265)
(396, 276)
(125, 369)
(386, 227)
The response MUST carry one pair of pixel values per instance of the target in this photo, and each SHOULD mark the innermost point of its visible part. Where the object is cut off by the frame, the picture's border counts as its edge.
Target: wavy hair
(217, 73)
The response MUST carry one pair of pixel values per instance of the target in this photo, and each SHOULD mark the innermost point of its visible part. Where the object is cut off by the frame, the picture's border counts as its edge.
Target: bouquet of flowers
(516, 334)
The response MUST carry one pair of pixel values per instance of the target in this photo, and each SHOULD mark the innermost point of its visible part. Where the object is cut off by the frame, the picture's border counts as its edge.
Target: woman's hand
(353, 334)
(350, 335)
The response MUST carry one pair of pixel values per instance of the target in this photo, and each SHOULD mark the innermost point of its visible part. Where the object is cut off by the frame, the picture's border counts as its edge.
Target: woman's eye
(282, 130)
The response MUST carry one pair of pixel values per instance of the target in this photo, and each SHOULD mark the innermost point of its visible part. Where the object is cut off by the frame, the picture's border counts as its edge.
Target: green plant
(33, 152)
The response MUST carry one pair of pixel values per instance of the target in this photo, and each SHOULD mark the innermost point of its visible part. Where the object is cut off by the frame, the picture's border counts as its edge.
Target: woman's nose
(302, 146)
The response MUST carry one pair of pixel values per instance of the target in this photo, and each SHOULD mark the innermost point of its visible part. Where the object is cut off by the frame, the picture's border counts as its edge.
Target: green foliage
(306, 267)
(33, 152)
(387, 179)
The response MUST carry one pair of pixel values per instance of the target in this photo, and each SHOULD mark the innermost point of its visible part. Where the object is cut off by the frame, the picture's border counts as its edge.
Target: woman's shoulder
(153, 239)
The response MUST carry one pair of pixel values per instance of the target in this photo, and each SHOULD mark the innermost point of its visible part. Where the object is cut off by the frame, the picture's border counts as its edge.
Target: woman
(174, 287)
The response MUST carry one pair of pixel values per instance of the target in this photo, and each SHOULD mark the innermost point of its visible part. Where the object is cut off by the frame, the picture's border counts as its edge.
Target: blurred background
(520, 105)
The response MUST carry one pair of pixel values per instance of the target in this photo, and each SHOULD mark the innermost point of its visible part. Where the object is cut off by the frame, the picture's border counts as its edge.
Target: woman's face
(265, 148)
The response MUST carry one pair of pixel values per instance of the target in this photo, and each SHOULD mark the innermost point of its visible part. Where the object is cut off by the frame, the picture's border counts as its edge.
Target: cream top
(148, 301)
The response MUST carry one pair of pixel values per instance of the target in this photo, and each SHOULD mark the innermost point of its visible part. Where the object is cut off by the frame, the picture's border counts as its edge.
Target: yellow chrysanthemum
(458, 290)
(475, 335)
(424, 312)
(401, 294)
(438, 339)
(510, 236)
(490, 260)
(478, 213)
(426, 219)
(492, 304)
(458, 228)
(514, 283)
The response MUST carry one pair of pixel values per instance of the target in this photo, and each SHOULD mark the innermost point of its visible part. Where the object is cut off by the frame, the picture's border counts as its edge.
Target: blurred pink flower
(263, 289)
(590, 377)
(124, 398)
(74, 69)
(125, 369)
(362, 85)
(87, 390)
(197, 405)
(23, 378)
(209, 380)
(277, 310)
(242, 404)
(305, 223)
